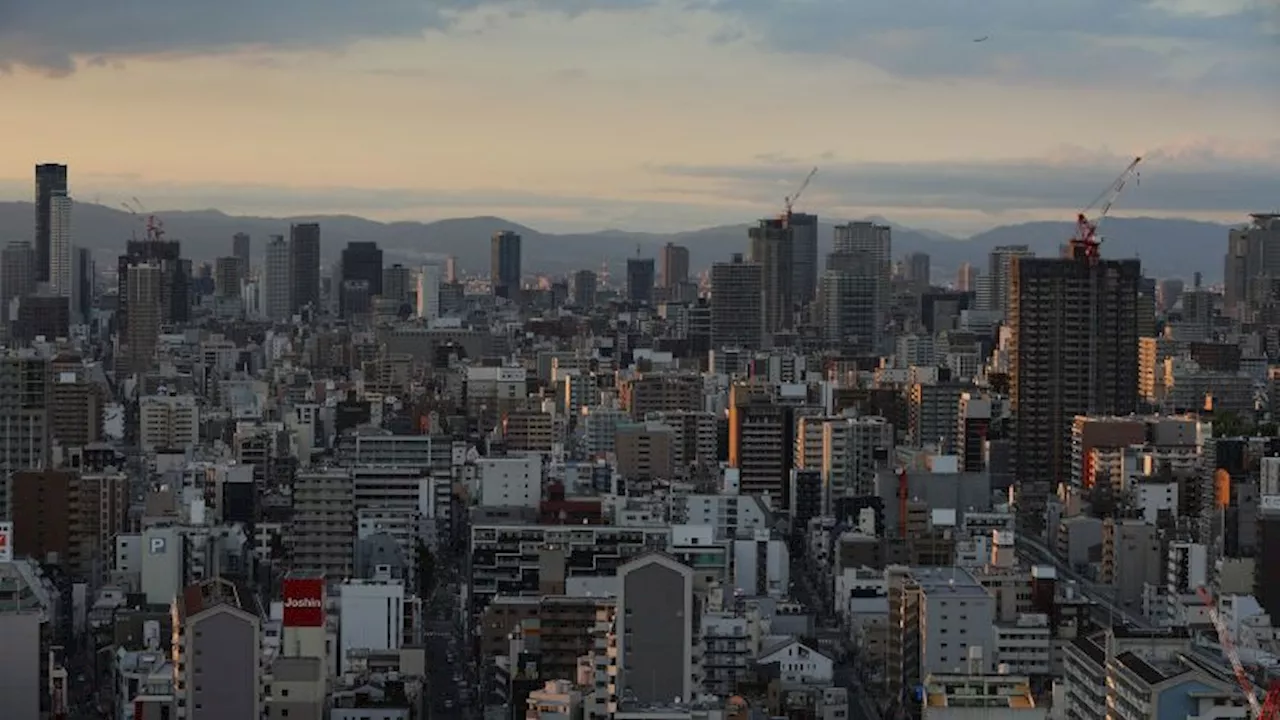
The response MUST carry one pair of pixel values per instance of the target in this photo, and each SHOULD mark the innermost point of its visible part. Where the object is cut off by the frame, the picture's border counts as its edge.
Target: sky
(661, 115)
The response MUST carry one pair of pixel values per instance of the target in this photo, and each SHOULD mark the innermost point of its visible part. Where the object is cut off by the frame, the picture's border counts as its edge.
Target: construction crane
(154, 226)
(1270, 708)
(791, 199)
(1086, 239)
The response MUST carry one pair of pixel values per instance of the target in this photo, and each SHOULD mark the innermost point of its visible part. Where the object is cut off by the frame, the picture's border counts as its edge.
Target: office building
(640, 281)
(916, 272)
(850, 290)
(675, 265)
(804, 256)
(504, 264)
(737, 304)
(361, 277)
(584, 289)
(304, 266)
(242, 247)
(875, 243)
(51, 182)
(228, 273)
(1074, 351)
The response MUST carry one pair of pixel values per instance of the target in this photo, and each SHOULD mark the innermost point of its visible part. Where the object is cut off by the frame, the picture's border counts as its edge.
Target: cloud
(1159, 42)
(56, 36)
(1193, 180)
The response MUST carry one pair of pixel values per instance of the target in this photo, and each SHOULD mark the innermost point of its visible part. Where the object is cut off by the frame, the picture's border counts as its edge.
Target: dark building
(175, 279)
(242, 247)
(737, 305)
(771, 248)
(675, 265)
(584, 289)
(361, 272)
(17, 273)
(42, 316)
(51, 181)
(304, 265)
(504, 264)
(940, 309)
(640, 280)
(1074, 352)
(804, 256)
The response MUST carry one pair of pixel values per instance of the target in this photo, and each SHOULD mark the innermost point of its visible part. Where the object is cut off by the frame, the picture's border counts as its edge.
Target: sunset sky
(646, 114)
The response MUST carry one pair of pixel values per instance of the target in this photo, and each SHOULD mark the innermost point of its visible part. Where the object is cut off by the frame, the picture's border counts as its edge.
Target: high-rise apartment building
(1252, 265)
(675, 265)
(761, 442)
(24, 413)
(278, 304)
(640, 280)
(804, 256)
(737, 304)
(771, 248)
(144, 293)
(850, 290)
(60, 255)
(51, 181)
(504, 264)
(1000, 274)
(304, 266)
(1074, 351)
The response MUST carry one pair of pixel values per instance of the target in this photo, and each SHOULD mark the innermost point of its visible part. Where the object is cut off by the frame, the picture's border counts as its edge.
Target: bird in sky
(984, 38)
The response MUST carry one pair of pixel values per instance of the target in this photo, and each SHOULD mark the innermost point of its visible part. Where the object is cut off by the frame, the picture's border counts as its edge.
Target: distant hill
(1167, 247)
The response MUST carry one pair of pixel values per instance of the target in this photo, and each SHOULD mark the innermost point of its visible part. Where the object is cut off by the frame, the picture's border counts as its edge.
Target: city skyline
(491, 108)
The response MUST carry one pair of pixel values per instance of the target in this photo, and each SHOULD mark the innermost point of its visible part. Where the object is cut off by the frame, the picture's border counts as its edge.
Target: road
(804, 588)
(450, 679)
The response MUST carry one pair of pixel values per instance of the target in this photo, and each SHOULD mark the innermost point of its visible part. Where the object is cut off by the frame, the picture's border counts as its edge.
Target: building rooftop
(954, 581)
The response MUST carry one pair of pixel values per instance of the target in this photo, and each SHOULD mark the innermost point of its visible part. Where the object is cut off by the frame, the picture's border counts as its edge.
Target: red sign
(304, 602)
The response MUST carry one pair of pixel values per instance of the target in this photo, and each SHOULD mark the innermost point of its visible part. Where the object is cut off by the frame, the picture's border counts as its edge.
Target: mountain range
(1167, 247)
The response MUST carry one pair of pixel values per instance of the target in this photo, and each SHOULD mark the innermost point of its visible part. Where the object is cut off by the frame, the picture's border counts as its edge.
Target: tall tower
(51, 180)
(60, 270)
(675, 265)
(875, 242)
(504, 264)
(737, 304)
(1074, 351)
(771, 247)
(278, 304)
(804, 256)
(304, 265)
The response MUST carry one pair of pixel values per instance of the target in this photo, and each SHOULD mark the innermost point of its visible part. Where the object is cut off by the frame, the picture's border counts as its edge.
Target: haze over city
(572, 116)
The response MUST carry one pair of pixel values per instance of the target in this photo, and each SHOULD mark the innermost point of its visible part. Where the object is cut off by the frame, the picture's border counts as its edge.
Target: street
(451, 686)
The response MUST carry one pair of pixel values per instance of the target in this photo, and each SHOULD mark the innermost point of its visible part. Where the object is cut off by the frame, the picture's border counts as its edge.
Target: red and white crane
(1086, 239)
(1270, 708)
(790, 200)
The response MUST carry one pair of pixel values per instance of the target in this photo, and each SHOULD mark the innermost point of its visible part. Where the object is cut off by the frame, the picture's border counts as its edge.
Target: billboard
(304, 602)
(6, 542)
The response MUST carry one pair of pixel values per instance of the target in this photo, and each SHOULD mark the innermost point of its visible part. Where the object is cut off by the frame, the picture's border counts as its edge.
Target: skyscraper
(430, 278)
(771, 248)
(584, 289)
(361, 267)
(876, 243)
(675, 265)
(278, 303)
(999, 270)
(1074, 351)
(1251, 265)
(849, 291)
(967, 278)
(60, 270)
(640, 280)
(84, 277)
(242, 247)
(304, 265)
(144, 287)
(737, 304)
(804, 256)
(51, 180)
(917, 271)
(228, 273)
(504, 264)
